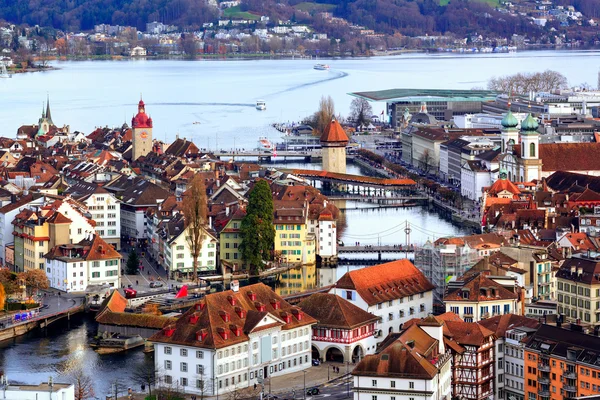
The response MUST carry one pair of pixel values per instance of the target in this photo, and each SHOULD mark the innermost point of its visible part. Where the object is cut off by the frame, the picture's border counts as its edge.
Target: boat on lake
(321, 67)
(261, 105)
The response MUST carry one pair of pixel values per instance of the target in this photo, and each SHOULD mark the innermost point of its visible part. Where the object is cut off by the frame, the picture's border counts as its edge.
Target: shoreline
(261, 56)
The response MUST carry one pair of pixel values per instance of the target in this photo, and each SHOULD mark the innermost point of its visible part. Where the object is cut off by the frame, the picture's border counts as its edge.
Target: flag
(182, 292)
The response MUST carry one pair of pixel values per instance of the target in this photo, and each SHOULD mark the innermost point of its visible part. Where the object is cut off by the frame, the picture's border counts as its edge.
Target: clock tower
(141, 125)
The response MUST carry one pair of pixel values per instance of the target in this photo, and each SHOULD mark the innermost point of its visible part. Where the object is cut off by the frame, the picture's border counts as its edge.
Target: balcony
(544, 381)
(570, 374)
(569, 388)
(544, 367)
(544, 393)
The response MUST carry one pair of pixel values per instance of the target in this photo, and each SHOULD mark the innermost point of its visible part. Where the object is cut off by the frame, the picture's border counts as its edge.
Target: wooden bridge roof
(367, 180)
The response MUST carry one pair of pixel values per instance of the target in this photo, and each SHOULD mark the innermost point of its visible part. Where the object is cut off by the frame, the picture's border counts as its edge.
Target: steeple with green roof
(529, 125)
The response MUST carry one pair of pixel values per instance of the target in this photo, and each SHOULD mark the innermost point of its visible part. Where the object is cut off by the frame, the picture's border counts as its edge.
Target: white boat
(4, 73)
(261, 105)
(265, 144)
(321, 67)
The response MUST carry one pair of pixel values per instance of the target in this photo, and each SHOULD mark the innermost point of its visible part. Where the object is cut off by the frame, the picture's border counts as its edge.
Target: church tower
(333, 142)
(530, 149)
(141, 125)
(510, 133)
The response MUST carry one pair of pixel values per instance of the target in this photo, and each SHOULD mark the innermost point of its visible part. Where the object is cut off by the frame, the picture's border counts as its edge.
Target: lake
(213, 102)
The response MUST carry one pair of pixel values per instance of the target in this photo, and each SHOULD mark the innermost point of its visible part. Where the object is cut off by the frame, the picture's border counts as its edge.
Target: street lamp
(304, 393)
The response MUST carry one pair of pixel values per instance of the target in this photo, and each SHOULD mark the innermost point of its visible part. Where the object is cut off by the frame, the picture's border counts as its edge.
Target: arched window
(532, 149)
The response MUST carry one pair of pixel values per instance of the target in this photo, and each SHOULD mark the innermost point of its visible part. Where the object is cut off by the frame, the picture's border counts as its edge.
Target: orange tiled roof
(334, 133)
(384, 282)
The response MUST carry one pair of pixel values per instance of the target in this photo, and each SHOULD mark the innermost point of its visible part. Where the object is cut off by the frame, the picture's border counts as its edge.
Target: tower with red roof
(333, 142)
(141, 126)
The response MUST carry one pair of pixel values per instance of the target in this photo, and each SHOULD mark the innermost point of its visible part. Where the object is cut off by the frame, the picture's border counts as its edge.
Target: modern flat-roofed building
(442, 104)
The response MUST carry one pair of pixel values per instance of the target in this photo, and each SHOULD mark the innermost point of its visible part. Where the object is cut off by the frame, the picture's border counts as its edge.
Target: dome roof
(509, 120)
(529, 123)
(141, 120)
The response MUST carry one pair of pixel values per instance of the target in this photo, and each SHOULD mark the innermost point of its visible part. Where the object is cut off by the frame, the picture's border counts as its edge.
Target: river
(212, 102)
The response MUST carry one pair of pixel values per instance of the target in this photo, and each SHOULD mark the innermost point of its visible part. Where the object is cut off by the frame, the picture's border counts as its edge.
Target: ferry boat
(261, 105)
(265, 144)
(321, 67)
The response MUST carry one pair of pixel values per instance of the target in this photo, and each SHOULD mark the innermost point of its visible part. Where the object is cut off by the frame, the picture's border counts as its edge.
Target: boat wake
(336, 75)
(207, 104)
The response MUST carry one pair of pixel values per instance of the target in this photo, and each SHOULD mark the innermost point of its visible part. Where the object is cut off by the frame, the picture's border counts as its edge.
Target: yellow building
(230, 240)
(293, 242)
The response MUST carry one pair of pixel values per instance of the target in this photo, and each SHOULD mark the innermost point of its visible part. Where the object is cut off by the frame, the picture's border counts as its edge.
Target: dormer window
(225, 316)
(201, 335)
(276, 304)
(259, 306)
(287, 317)
(169, 331)
(232, 300)
(252, 296)
(193, 319)
(298, 314)
(237, 331)
(224, 334)
(199, 306)
(465, 294)
(240, 312)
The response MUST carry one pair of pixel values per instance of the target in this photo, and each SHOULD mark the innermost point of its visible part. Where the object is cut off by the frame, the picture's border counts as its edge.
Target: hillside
(408, 17)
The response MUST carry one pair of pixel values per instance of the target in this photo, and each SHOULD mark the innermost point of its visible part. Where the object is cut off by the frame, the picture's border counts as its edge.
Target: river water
(220, 96)
(212, 102)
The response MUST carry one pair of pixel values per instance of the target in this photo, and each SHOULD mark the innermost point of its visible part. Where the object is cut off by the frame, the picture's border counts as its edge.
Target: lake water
(221, 95)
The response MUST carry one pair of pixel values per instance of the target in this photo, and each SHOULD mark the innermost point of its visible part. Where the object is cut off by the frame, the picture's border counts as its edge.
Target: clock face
(143, 134)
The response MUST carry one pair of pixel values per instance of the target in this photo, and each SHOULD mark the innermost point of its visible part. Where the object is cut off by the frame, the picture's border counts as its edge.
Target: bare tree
(84, 388)
(194, 213)
(426, 161)
(360, 111)
(204, 385)
(146, 374)
(522, 83)
(324, 114)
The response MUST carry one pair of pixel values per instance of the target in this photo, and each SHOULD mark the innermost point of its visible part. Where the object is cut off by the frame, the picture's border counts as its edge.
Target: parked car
(316, 362)
(312, 391)
(130, 293)
(156, 284)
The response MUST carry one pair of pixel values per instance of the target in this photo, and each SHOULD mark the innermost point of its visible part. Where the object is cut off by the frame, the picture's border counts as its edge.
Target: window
(183, 352)
(200, 369)
(374, 383)
(411, 385)
(168, 350)
(393, 384)
(168, 379)
(167, 364)
(199, 354)
(532, 149)
(183, 367)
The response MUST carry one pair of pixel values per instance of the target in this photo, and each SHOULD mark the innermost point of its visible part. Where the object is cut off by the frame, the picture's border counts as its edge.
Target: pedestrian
(137, 282)
(143, 387)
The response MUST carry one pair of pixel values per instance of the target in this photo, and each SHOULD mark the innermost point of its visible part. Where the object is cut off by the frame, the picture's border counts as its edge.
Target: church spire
(48, 115)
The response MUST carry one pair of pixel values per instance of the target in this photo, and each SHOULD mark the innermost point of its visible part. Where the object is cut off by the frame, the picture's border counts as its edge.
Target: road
(51, 303)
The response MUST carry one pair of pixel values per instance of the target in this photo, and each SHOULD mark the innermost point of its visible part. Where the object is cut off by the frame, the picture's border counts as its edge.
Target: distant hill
(408, 17)
(76, 15)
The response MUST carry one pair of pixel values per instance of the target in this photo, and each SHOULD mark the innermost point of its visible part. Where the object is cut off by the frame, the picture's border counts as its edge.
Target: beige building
(578, 282)
(141, 125)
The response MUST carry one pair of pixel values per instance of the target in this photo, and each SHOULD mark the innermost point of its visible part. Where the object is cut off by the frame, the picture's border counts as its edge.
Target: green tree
(258, 233)
(133, 263)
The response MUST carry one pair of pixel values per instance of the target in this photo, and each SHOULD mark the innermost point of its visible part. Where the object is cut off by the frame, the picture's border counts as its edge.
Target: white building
(483, 121)
(104, 207)
(344, 333)
(45, 390)
(236, 338)
(473, 178)
(177, 251)
(326, 233)
(415, 364)
(395, 292)
(74, 267)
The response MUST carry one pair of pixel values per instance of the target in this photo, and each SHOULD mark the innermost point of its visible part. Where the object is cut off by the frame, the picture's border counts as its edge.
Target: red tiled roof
(503, 185)
(478, 287)
(384, 282)
(219, 315)
(334, 133)
(570, 156)
(469, 333)
(333, 311)
(501, 323)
